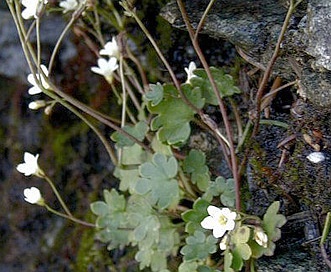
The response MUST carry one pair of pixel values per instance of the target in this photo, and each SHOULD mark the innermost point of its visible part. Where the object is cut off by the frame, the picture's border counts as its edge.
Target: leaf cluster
(133, 222)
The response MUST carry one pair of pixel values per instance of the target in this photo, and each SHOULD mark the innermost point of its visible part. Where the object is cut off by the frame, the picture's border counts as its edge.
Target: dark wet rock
(254, 26)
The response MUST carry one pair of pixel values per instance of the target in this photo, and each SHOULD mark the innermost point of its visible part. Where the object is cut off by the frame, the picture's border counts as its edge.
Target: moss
(89, 256)
(63, 143)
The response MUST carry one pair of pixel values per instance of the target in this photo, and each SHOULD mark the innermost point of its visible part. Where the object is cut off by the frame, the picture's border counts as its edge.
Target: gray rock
(254, 26)
(12, 60)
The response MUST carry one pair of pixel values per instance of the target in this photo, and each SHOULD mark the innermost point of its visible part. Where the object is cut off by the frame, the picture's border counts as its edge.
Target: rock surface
(12, 61)
(254, 26)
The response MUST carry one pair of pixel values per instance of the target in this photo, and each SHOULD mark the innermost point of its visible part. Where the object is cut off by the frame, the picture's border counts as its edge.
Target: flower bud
(35, 105)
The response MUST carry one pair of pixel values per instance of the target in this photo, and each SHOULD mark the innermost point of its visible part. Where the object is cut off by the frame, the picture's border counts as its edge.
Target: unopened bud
(35, 105)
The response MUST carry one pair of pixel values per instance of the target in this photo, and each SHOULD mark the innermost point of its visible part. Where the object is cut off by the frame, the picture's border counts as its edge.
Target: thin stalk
(271, 93)
(186, 184)
(237, 117)
(73, 18)
(165, 62)
(99, 117)
(203, 18)
(74, 219)
(123, 117)
(205, 65)
(57, 194)
(97, 27)
(267, 72)
(141, 71)
(38, 44)
(28, 51)
(116, 14)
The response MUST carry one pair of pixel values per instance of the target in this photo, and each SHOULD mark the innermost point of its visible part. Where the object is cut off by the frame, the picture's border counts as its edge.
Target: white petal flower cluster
(189, 71)
(220, 221)
(32, 8)
(110, 49)
(30, 165)
(33, 196)
(69, 5)
(35, 88)
(106, 68)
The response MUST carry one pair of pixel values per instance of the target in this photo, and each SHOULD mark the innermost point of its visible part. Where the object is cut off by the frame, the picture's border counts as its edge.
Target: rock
(12, 60)
(254, 26)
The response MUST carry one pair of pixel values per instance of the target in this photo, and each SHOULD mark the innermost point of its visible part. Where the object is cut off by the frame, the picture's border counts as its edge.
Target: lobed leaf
(224, 82)
(157, 181)
(194, 217)
(138, 131)
(174, 115)
(195, 164)
(155, 95)
(198, 246)
(272, 222)
(224, 188)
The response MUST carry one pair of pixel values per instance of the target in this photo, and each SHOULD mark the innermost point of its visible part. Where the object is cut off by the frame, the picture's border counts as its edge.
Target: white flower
(219, 220)
(224, 242)
(261, 237)
(31, 8)
(33, 196)
(111, 49)
(189, 71)
(35, 88)
(35, 105)
(316, 157)
(30, 165)
(68, 5)
(106, 68)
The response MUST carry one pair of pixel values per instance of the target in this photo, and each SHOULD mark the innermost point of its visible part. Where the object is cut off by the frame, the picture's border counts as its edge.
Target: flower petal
(208, 223)
(214, 211)
(218, 232)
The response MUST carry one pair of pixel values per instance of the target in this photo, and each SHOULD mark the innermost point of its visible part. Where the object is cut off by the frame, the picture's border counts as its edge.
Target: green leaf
(160, 147)
(155, 95)
(114, 200)
(128, 178)
(195, 164)
(241, 235)
(224, 188)
(99, 208)
(135, 222)
(112, 222)
(242, 250)
(228, 258)
(203, 268)
(174, 115)
(133, 155)
(194, 217)
(224, 82)
(157, 181)
(198, 246)
(138, 131)
(188, 266)
(272, 222)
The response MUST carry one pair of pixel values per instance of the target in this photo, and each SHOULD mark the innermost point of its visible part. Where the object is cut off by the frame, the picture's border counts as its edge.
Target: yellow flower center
(222, 220)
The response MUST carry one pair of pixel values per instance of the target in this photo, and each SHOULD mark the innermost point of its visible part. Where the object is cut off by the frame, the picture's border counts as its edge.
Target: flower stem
(69, 217)
(56, 192)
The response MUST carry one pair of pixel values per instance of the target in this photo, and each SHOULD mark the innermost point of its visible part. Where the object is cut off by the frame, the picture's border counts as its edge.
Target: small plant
(167, 201)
